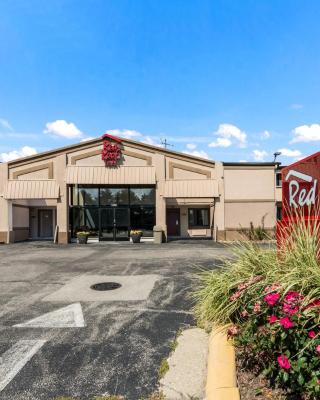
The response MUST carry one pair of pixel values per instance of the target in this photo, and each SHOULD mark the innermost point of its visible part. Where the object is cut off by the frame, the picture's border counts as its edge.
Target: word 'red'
(305, 196)
(111, 152)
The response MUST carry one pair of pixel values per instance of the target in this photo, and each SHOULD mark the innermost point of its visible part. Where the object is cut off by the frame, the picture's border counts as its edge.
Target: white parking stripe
(14, 359)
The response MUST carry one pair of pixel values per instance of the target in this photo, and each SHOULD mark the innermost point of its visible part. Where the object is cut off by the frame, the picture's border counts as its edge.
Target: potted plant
(136, 236)
(82, 237)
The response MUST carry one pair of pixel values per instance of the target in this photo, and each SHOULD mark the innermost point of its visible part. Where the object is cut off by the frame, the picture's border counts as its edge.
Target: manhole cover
(105, 286)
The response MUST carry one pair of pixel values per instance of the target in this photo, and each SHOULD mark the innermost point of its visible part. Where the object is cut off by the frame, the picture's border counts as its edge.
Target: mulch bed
(253, 386)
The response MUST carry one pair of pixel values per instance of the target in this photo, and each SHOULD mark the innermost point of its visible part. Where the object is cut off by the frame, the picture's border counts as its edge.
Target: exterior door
(173, 221)
(114, 223)
(45, 223)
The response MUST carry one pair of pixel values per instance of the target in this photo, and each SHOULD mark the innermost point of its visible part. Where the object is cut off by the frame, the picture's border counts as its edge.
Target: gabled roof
(94, 142)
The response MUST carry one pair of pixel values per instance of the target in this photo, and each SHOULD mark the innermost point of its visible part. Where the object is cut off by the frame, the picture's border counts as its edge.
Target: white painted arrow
(14, 359)
(67, 317)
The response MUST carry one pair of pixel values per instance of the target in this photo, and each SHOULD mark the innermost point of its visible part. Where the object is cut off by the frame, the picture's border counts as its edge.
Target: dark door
(114, 223)
(45, 223)
(173, 221)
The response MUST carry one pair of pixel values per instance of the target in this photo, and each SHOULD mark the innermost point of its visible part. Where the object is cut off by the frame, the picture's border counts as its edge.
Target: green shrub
(272, 299)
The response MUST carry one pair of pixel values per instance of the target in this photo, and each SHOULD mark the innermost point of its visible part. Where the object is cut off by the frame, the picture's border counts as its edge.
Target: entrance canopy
(111, 176)
(191, 188)
(31, 189)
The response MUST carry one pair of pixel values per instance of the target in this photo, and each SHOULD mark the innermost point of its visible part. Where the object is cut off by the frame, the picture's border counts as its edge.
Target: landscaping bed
(271, 300)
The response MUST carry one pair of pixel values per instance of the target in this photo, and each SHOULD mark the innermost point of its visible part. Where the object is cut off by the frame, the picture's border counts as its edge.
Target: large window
(142, 196)
(143, 218)
(90, 205)
(114, 196)
(198, 217)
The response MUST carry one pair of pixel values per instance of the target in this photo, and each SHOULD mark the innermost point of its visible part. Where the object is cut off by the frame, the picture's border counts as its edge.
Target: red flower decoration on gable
(111, 152)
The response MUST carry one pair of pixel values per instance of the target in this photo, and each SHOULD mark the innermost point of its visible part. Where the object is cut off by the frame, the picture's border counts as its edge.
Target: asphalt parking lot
(58, 337)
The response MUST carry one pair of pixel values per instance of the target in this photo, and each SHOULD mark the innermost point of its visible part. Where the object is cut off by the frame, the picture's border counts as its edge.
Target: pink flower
(257, 307)
(286, 322)
(312, 334)
(235, 296)
(244, 313)
(272, 319)
(289, 309)
(284, 362)
(272, 288)
(232, 331)
(272, 298)
(292, 297)
(318, 349)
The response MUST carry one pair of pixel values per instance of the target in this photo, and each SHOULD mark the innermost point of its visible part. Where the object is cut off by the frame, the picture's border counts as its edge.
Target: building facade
(110, 186)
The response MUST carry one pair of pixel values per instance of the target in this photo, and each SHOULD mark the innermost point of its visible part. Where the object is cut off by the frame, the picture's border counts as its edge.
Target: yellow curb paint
(221, 379)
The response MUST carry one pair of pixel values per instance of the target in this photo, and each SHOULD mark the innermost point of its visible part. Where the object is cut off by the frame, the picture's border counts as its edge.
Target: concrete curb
(221, 378)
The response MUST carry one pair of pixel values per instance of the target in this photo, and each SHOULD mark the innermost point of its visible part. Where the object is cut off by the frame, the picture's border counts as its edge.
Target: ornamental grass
(271, 298)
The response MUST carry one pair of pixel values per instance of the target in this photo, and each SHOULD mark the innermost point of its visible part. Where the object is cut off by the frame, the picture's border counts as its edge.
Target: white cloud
(62, 128)
(5, 124)
(296, 106)
(87, 138)
(125, 133)
(290, 153)
(265, 135)
(229, 134)
(14, 154)
(259, 155)
(221, 142)
(306, 133)
(191, 146)
(197, 153)
(243, 161)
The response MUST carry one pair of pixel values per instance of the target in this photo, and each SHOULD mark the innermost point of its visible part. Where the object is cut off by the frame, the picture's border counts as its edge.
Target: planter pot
(82, 239)
(136, 238)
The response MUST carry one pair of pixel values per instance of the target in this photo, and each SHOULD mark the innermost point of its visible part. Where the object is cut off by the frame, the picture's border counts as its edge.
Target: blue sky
(230, 80)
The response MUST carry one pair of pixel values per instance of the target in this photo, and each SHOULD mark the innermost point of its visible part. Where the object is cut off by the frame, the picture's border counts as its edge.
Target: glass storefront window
(86, 196)
(143, 218)
(142, 196)
(114, 196)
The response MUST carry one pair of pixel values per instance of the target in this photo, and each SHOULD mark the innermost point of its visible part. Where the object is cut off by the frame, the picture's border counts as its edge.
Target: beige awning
(111, 176)
(31, 189)
(191, 188)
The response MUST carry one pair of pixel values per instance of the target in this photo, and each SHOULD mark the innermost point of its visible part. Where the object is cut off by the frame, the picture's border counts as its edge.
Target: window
(143, 218)
(198, 217)
(114, 196)
(144, 196)
(86, 196)
(278, 179)
(279, 213)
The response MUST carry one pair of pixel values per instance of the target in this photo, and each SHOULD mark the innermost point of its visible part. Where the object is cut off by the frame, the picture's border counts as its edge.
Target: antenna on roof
(276, 154)
(165, 143)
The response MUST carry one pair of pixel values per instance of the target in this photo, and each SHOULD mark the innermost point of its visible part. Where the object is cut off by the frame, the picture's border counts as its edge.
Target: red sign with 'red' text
(300, 188)
(111, 150)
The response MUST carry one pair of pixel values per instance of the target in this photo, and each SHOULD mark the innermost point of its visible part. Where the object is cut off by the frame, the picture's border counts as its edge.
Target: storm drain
(105, 286)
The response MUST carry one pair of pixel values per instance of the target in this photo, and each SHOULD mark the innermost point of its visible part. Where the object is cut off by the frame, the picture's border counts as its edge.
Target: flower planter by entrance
(136, 236)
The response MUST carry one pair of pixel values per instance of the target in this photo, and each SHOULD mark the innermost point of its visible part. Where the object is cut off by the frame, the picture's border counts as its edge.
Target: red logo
(111, 152)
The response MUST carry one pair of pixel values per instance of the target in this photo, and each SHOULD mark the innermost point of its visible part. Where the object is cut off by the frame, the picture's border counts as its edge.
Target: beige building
(53, 195)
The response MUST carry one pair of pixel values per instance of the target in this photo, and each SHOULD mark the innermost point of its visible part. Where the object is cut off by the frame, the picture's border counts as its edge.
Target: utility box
(157, 234)
(300, 192)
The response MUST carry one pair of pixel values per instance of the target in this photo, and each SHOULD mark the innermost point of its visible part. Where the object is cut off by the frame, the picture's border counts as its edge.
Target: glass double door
(114, 223)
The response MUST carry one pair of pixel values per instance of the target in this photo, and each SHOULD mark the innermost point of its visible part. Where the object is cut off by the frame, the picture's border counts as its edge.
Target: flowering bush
(271, 297)
(282, 338)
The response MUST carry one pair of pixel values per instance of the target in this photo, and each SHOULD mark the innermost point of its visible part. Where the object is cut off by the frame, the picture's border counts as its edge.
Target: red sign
(111, 152)
(300, 187)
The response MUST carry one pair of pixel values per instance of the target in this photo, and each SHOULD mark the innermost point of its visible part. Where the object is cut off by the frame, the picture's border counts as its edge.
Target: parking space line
(14, 359)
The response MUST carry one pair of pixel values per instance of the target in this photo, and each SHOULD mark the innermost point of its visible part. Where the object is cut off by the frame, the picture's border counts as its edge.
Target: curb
(221, 378)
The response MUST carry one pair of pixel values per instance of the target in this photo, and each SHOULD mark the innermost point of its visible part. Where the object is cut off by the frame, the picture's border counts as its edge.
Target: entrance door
(114, 223)
(173, 221)
(45, 227)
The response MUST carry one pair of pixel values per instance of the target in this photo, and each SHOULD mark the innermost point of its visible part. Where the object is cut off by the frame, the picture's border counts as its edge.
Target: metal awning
(133, 175)
(195, 188)
(31, 189)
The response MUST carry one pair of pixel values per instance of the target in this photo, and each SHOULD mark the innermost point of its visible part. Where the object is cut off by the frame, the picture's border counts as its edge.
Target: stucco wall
(249, 183)
(239, 215)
